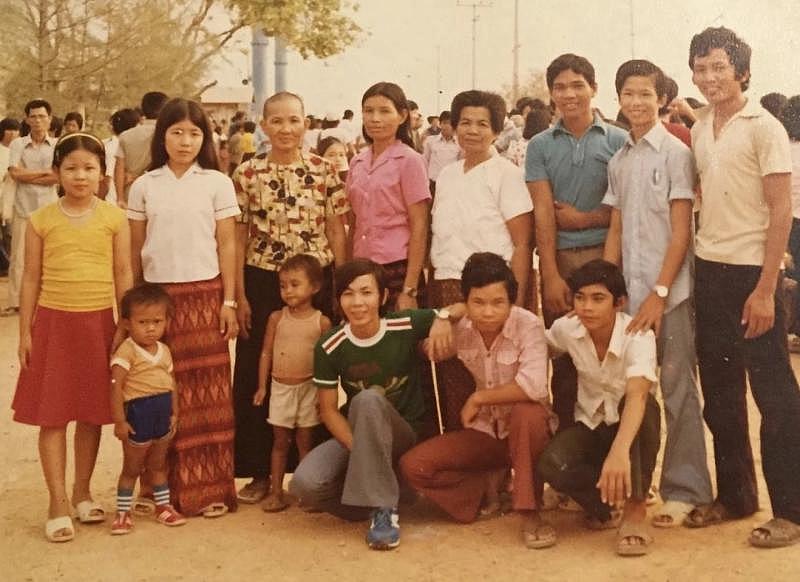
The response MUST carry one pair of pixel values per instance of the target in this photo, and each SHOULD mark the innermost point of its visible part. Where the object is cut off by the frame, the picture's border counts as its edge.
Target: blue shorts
(149, 417)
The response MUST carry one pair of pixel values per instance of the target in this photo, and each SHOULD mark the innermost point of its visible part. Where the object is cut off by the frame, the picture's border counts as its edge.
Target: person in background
(73, 121)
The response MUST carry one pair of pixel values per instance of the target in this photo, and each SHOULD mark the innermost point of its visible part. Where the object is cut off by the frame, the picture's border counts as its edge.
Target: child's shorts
(149, 417)
(293, 405)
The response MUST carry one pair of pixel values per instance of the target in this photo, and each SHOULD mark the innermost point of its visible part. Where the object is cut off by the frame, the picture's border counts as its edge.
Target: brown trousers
(452, 469)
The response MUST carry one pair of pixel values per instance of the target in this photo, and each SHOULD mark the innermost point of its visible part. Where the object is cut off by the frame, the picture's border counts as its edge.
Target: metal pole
(281, 63)
(515, 72)
(260, 44)
(633, 33)
(474, 5)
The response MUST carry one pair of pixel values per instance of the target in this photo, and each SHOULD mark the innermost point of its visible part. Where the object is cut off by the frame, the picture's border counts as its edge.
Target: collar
(751, 109)
(597, 123)
(166, 171)
(48, 139)
(369, 341)
(617, 342)
(397, 150)
(655, 137)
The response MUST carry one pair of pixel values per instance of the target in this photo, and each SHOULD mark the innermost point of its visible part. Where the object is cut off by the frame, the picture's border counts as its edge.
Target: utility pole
(260, 43)
(515, 72)
(281, 63)
(633, 33)
(438, 77)
(475, 4)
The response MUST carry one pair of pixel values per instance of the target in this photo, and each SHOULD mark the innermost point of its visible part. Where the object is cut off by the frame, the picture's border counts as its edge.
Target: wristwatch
(443, 314)
(410, 291)
(661, 290)
(230, 303)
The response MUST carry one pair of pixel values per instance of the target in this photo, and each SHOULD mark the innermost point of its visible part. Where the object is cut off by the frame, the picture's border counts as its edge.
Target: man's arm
(570, 218)
(555, 292)
(612, 251)
(334, 421)
(29, 176)
(520, 228)
(652, 310)
(119, 182)
(615, 477)
(759, 309)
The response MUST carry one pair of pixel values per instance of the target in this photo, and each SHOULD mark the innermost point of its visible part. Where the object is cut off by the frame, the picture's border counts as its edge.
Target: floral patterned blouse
(286, 207)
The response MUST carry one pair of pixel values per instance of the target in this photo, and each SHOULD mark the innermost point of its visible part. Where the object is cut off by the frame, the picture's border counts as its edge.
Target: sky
(425, 46)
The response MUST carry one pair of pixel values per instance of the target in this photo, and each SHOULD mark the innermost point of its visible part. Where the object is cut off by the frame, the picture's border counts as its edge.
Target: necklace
(80, 214)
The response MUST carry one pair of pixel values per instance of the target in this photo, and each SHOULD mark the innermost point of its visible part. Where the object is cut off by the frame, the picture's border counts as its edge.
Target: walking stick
(436, 396)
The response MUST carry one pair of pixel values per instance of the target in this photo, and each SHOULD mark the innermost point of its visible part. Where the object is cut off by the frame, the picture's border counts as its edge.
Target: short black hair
(348, 114)
(152, 103)
(570, 62)
(76, 117)
(445, 117)
(354, 269)
(412, 105)
(738, 51)
(325, 143)
(474, 98)
(174, 111)
(144, 294)
(774, 103)
(8, 124)
(790, 117)
(124, 119)
(36, 104)
(641, 68)
(249, 126)
(482, 269)
(306, 263)
(671, 92)
(599, 272)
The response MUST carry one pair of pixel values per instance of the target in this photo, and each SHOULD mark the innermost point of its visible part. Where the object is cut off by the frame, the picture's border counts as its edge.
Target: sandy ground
(297, 546)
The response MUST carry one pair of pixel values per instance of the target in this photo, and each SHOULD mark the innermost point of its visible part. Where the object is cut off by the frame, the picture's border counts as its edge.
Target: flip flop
(57, 524)
(539, 536)
(780, 533)
(170, 517)
(122, 524)
(637, 531)
(274, 504)
(705, 515)
(253, 492)
(672, 514)
(216, 509)
(90, 511)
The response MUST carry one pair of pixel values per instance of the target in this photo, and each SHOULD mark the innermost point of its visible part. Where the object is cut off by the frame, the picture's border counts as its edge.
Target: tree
(99, 55)
(534, 84)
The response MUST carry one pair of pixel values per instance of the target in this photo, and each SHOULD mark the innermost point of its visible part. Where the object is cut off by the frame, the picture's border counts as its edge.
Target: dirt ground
(298, 546)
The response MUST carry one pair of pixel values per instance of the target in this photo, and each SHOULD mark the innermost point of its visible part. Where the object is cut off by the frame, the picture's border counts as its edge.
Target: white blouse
(181, 214)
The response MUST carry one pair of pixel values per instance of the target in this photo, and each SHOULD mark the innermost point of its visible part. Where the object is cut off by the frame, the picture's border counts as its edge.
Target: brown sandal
(710, 514)
(779, 534)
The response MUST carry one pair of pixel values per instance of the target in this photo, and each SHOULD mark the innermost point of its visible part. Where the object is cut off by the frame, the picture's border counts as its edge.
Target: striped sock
(161, 494)
(124, 499)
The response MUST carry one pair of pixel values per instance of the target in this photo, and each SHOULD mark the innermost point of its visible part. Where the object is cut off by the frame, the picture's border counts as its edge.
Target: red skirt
(201, 453)
(68, 377)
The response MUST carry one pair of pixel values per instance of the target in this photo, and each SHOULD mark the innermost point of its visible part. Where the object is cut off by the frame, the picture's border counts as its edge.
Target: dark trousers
(726, 361)
(573, 460)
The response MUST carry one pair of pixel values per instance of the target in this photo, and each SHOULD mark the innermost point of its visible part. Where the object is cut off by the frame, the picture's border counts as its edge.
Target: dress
(200, 457)
(68, 375)
(285, 208)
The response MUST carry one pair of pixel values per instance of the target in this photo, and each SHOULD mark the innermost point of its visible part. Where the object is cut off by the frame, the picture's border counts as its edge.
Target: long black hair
(395, 94)
(175, 111)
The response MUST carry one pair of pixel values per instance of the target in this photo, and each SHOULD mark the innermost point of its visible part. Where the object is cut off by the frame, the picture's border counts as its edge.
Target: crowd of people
(397, 265)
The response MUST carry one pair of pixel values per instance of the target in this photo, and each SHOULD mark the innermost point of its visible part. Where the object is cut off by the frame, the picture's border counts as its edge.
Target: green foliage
(532, 84)
(100, 55)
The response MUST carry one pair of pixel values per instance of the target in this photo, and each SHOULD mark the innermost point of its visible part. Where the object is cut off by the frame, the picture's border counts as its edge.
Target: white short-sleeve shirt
(601, 385)
(181, 214)
(470, 212)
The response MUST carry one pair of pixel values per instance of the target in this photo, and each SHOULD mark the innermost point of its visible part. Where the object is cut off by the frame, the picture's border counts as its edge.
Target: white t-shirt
(181, 214)
(601, 385)
(470, 212)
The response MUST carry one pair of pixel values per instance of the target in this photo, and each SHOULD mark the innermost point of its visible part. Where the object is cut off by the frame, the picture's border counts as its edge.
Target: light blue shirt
(576, 170)
(644, 178)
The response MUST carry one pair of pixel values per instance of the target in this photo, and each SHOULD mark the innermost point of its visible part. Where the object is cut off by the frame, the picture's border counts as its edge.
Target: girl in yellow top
(77, 254)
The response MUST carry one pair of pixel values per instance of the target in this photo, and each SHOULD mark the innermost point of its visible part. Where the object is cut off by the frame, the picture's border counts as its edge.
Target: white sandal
(57, 524)
(676, 511)
(87, 511)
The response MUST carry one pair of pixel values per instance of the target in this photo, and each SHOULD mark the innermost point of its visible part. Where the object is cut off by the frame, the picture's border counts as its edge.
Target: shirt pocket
(597, 165)
(656, 182)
